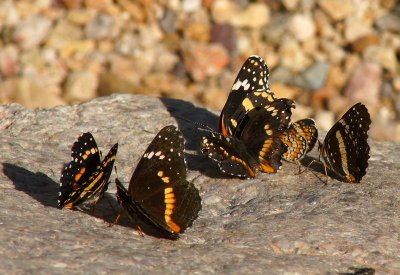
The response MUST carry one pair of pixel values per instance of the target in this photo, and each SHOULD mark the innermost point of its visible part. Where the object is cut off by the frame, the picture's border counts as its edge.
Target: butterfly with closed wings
(345, 149)
(300, 139)
(85, 178)
(159, 196)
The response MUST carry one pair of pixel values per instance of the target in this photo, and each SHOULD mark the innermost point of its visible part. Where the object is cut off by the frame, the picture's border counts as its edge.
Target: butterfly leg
(115, 221)
(307, 167)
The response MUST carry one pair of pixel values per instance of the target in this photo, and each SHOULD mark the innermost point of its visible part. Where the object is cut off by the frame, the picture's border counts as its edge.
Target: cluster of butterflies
(255, 133)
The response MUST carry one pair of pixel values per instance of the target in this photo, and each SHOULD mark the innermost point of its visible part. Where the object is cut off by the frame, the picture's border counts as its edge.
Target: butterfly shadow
(189, 119)
(45, 190)
(37, 185)
(317, 166)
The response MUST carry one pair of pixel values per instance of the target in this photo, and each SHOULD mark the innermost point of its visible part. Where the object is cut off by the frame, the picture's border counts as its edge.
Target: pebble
(255, 16)
(385, 56)
(356, 28)
(101, 27)
(315, 76)
(203, 61)
(81, 86)
(193, 49)
(32, 31)
(365, 84)
(389, 22)
(292, 56)
(302, 27)
(337, 9)
(224, 34)
(8, 61)
(324, 119)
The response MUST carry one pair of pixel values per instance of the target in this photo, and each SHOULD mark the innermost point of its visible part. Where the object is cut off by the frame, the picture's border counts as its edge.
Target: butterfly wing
(300, 138)
(85, 158)
(262, 130)
(245, 95)
(345, 148)
(159, 183)
(230, 154)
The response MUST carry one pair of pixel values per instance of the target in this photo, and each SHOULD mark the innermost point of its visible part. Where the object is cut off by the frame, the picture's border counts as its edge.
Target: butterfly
(159, 195)
(250, 90)
(300, 139)
(250, 125)
(85, 178)
(345, 149)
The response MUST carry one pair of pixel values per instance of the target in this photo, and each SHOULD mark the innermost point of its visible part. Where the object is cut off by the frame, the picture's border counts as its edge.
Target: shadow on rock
(187, 115)
(316, 165)
(37, 185)
(185, 112)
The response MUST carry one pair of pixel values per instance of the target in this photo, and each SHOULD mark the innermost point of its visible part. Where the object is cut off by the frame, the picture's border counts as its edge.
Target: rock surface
(283, 223)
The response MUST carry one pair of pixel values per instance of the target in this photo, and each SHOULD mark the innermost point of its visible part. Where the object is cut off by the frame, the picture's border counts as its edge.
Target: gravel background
(325, 54)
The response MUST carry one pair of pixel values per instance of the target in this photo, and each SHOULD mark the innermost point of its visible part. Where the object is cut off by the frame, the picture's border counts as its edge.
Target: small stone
(324, 119)
(63, 33)
(338, 103)
(101, 27)
(222, 11)
(360, 44)
(79, 46)
(290, 5)
(9, 15)
(292, 55)
(396, 84)
(110, 83)
(323, 94)
(134, 9)
(276, 28)
(315, 76)
(337, 9)
(32, 31)
(389, 22)
(38, 92)
(8, 61)
(336, 54)
(336, 77)
(365, 84)
(356, 28)
(385, 56)
(168, 22)
(281, 74)
(301, 111)
(81, 86)
(72, 4)
(215, 98)
(284, 91)
(80, 17)
(324, 25)
(302, 27)
(224, 34)
(203, 60)
(197, 28)
(255, 16)
(189, 6)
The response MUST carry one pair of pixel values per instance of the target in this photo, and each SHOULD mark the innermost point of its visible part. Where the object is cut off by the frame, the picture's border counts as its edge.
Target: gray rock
(314, 77)
(281, 223)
